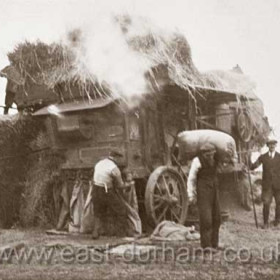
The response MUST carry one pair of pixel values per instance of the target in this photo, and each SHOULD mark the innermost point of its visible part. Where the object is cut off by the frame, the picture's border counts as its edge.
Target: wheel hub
(171, 200)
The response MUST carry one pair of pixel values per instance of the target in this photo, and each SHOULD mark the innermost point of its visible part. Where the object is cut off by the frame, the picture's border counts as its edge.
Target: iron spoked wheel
(245, 127)
(166, 196)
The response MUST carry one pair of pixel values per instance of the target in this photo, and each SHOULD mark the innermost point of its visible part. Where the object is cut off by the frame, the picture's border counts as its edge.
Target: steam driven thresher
(85, 127)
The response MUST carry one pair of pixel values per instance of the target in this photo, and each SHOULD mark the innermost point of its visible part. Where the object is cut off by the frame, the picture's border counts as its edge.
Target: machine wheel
(166, 196)
(245, 127)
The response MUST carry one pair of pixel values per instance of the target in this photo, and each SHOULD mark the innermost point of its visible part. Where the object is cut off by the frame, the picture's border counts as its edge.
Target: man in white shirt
(203, 186)
(107, 180)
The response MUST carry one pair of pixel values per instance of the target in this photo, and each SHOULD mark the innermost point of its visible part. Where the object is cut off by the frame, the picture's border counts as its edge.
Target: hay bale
(15, 134)
(61, 67)
(229, 80)
(26, 175)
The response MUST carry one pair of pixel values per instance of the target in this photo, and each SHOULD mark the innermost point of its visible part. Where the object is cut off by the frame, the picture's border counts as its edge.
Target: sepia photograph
(139, 139)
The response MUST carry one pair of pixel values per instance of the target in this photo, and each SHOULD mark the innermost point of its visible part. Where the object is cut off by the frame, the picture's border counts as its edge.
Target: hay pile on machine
(82, 118)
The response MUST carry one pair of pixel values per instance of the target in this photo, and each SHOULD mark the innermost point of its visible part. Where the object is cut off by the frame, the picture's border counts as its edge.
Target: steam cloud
(102, 51)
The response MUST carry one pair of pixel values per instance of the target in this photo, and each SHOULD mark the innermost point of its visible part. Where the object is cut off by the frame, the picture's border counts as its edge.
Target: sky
(221, 33)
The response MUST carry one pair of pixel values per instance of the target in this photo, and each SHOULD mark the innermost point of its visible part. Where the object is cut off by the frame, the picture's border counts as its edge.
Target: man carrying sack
(203, 184)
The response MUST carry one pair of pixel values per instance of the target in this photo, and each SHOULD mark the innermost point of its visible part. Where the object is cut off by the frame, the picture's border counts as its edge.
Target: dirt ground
(250, 254)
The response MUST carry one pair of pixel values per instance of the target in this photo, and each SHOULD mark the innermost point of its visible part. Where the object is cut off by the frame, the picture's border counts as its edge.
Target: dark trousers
(106, 203)
(209, 214)
(267, 196)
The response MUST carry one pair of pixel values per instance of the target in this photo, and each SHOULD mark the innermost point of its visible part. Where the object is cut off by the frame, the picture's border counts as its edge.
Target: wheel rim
(165, 196)
(245, 127)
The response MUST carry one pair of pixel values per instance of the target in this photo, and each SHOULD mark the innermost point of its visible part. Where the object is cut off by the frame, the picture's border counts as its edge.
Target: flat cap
(271, 141)
(115, 153)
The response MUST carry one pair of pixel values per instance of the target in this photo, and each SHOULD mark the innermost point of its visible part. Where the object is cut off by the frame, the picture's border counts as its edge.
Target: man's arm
(256, 164)
(192, 178)
(118, 181)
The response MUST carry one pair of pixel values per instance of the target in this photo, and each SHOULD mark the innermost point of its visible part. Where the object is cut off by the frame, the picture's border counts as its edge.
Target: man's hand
(192, 200)
(129, 184)
(245, 168)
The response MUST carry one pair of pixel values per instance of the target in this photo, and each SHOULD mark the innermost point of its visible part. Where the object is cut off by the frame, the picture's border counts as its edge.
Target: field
(250, 254)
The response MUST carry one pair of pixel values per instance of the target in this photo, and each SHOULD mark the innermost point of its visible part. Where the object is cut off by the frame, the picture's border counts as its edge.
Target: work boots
(95, 233)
